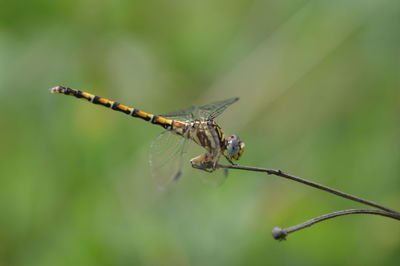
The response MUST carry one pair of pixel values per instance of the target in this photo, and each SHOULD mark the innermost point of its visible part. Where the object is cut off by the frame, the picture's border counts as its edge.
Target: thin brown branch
(309, 183)
(280, 234)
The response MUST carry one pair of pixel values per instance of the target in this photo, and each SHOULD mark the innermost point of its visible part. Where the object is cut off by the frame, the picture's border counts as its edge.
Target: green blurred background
(319, 86)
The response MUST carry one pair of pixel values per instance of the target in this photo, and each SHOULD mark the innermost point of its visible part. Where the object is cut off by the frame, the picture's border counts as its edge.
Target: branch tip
(279, 233)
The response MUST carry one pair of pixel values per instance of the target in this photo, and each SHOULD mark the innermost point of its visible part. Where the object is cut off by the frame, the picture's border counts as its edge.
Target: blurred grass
(319, 87)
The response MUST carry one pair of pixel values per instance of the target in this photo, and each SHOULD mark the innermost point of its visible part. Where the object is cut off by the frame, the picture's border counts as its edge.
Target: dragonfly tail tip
(55, 89)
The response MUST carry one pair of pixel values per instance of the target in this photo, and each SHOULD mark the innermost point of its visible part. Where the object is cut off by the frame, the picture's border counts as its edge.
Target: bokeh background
(319, 83)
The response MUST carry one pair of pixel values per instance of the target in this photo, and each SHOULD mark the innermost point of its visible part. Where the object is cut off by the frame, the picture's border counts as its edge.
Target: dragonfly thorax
(206, 134)
(210, 136)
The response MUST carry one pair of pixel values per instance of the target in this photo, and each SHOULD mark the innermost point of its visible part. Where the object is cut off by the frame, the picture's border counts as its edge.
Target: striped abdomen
(154, 119)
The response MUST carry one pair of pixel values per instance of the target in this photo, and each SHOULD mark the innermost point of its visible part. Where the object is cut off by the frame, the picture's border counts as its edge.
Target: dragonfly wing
(166, 158)
(186, 114)
(205, 112)
(212, 110)
(213, 179)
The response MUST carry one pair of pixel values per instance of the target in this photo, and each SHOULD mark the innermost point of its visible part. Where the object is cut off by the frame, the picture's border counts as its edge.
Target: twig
(309, 183)
(280, 234)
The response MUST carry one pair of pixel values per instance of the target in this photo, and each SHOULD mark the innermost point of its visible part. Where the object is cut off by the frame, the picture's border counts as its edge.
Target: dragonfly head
(234, 148)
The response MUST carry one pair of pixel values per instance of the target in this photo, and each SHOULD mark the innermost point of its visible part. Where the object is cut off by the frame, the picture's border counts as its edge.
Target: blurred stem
(309, 183)
(280, 234)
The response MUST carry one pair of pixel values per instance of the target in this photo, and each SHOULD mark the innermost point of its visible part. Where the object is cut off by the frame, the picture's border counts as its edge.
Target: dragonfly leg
(204, 162)
(202, 168)
(230, 161)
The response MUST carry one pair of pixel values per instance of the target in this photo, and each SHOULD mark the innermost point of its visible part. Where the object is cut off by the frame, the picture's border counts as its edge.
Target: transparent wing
(186, 114)
(205, 112)
(166, 156)
(214, 179)
(212, 110)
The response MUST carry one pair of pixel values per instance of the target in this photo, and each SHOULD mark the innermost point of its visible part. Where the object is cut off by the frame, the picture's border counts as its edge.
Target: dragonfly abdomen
(154, 119)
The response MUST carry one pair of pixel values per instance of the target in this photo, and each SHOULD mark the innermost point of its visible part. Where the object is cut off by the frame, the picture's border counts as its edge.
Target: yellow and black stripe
(154, 119)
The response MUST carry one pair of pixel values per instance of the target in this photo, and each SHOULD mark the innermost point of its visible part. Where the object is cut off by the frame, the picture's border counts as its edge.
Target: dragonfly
(196, 124)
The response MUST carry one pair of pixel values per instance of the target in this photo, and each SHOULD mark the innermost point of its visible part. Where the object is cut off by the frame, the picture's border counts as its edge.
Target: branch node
(279, 233)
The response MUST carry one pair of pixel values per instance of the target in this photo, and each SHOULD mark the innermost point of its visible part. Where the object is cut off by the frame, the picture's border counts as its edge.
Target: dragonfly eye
(234, 147)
